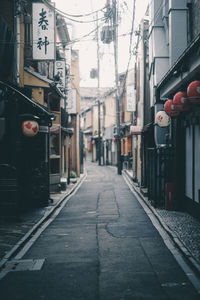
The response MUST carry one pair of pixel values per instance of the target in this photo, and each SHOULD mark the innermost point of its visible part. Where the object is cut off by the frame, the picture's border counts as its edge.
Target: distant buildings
(159, 141)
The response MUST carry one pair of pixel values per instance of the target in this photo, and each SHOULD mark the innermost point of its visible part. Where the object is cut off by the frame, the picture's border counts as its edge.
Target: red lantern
(181, 102)
(114, 139)
(30, 128)
(93, 142)
(170, 109)
(193, 92)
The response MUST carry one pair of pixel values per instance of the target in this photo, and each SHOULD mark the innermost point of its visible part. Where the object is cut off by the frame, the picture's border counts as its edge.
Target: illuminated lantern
(170, 108)
(30, 128)
(162, 119)
(181, 102)
(193, 92)
(93, 142)
(114, 139)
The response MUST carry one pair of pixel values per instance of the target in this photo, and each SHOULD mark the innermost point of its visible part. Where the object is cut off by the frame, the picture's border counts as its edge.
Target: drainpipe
(17, 41)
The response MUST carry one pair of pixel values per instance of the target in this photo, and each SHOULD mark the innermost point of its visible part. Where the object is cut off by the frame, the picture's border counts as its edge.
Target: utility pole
(115, 43)
(98, 93)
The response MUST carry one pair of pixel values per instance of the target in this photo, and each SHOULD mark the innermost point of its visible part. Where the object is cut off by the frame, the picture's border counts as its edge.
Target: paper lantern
(181, 102)
(170, 108)
(162, 119)
(193, 92)
(30, 128)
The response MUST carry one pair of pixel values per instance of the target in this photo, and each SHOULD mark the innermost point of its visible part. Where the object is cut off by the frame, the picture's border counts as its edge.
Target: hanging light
(193, 92)
(162, 119)
(170, 108)
(181, 102)
(30, 128)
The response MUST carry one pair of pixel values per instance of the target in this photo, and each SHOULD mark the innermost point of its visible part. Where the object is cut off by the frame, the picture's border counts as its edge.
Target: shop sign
(131, 98)
(43, 32)
(60, 71)
(71, 102)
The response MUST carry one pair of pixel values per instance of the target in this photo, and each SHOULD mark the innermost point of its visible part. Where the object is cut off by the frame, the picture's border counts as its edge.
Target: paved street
(102, 246)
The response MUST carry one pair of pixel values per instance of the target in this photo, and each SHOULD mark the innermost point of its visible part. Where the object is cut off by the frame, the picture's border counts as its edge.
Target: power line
(138, 40)
(66, 15)
(130, 50)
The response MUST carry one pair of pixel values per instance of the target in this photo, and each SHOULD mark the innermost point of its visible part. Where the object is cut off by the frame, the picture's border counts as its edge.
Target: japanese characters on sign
(71, 102)
(60, 71)
(43, 32)
(131, 98)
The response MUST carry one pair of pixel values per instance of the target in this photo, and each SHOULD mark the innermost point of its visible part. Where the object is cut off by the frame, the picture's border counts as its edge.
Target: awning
(41, 110)
(135, 130)
(42, 81)
(96, 136)
(124, 125)
(55, 129)
(67, 131)
(87, 131)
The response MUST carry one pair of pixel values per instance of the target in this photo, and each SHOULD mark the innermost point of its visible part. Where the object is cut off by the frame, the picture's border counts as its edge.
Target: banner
(43, 32)
(131, 98)
(60, 71)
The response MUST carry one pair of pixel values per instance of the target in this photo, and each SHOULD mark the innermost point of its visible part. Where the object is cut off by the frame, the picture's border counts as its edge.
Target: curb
(46, 216)
(195, 266)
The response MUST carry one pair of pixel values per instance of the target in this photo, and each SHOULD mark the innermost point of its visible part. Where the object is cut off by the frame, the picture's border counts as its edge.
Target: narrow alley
(101, 246)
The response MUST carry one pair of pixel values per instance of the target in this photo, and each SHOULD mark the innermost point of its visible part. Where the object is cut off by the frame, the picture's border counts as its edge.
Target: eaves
(182, 72)
(42, 81)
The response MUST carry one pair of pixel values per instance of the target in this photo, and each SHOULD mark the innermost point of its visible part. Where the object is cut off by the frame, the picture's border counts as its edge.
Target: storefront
(24, 152)
(184, 134)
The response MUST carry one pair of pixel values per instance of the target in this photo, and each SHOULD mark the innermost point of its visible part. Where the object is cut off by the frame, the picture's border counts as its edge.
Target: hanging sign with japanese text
(131, 98)
(43, 32)
(71, 102)
(60, 71)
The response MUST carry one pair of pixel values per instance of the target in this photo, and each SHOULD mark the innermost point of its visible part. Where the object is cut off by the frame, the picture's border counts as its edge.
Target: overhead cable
(67, 16)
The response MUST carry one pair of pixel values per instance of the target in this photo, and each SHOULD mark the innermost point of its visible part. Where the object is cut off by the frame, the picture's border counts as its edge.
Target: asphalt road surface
(102, 246)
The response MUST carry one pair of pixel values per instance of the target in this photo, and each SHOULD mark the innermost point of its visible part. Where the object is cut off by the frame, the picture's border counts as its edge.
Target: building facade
(34, 61)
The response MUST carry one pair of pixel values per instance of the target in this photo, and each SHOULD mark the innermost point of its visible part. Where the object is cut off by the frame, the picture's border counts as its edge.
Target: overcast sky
(87, 46)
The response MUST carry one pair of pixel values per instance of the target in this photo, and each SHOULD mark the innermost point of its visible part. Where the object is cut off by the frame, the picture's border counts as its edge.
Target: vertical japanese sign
(131, 98)
(71, 102)
(60, 71)
(43, 32)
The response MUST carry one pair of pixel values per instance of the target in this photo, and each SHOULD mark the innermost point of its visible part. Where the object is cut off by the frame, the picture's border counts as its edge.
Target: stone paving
(186, 227)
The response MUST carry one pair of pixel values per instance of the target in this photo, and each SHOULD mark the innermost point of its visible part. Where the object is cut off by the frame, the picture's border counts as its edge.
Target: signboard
(131, 98)
(71, 102)
(43, 32)
(60, 70)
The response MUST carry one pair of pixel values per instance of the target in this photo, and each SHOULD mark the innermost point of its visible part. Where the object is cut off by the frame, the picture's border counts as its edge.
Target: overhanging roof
(42, 110)
(182, 71)
(33, 78)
